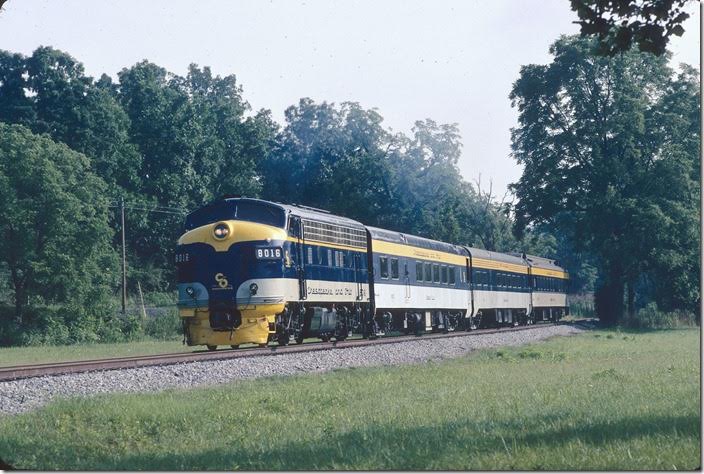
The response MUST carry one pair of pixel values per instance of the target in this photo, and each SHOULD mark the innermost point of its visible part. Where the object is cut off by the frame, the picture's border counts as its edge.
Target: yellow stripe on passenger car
(402, 250)
(498, 265)
(242, 231)
(549, 273)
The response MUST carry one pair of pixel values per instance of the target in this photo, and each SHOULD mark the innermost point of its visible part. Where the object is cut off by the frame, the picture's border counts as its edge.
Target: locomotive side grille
(334, 234)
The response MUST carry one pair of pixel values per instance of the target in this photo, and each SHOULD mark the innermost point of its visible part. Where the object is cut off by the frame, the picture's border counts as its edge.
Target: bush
(582, 306)
(651, 317)
(166, 325)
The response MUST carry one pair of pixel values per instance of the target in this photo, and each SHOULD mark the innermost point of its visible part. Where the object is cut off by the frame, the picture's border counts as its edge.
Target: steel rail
(70, 367)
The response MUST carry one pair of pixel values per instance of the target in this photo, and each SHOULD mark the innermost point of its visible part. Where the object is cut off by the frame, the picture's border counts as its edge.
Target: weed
(611, 373)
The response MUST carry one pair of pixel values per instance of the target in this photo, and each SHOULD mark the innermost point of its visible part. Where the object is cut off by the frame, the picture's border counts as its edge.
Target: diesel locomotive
(254, 271)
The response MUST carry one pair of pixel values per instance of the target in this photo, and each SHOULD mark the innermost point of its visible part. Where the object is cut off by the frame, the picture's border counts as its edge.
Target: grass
(10, 356)
(604, 400)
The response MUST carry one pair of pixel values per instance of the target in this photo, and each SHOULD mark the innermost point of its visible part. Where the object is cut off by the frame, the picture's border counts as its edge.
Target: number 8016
(269, 252)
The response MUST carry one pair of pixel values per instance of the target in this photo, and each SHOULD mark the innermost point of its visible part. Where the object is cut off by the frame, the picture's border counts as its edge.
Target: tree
(54, 232)
(620, 24)
(332, 158)
(340, 158)
(197, 144)
(50, 93)
(604, 164)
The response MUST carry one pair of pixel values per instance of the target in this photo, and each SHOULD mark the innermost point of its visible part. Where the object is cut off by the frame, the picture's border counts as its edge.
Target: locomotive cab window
(294, 228)
(240, 210)
(384, 267)
(394, 268)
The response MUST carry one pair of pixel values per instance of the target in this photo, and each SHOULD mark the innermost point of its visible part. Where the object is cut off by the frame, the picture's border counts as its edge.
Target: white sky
(452, 61)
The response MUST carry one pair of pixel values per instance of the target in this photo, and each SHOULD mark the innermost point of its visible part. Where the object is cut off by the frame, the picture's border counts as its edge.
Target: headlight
(221, 231)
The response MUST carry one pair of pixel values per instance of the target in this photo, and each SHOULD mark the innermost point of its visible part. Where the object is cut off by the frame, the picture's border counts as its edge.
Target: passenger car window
(443, 272)
(384, 267)
(394, 268)
(428, 272)
(451, 276)
(419, 271)
(436, 273)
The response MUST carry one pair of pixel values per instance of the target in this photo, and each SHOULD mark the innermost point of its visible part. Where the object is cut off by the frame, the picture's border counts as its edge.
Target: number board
(264, 253)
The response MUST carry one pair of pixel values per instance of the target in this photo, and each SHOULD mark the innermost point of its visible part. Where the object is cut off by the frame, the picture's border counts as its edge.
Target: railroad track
(59, 368)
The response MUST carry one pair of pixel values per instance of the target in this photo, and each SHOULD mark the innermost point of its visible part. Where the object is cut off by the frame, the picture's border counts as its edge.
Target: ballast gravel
(19, 396)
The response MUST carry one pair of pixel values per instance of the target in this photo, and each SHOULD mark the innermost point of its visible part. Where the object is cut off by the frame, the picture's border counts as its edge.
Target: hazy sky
(451, 61)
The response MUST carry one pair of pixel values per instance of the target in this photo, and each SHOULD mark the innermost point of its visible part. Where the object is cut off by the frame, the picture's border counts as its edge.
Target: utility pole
(124, 258)
(141, 298)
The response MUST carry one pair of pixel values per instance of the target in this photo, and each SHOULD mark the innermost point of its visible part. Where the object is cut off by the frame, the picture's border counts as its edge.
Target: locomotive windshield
(241, 210)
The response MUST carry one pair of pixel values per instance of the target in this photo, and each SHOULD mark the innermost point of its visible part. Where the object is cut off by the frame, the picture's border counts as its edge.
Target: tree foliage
(620, 24)
(50, 93)
(56, 242)
(610, 149)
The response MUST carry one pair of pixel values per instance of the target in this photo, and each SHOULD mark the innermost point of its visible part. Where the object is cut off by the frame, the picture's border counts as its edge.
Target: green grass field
(45, 354)
(602, 400)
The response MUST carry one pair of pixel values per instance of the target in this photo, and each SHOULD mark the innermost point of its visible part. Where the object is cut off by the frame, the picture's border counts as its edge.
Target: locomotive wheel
(211, 348)
(282, 339)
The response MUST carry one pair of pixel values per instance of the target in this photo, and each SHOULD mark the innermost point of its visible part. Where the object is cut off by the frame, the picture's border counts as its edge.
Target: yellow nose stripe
(242, 231)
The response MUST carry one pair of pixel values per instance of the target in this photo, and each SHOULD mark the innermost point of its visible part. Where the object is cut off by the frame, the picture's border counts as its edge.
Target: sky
(450, 61)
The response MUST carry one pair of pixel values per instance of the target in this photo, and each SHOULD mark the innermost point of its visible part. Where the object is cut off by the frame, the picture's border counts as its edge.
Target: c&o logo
(221, 280)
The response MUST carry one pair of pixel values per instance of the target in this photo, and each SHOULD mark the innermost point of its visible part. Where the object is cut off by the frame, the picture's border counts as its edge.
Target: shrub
(651, 317)
(582, 306)
(164, 325)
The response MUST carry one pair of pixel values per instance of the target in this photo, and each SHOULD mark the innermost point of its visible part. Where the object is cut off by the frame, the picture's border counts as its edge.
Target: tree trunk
(631, 300)
(19, 293)
(19, 305)
(608, 298)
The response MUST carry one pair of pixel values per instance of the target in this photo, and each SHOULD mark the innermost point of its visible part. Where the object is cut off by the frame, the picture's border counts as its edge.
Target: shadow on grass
(4, 466)
(448, 446)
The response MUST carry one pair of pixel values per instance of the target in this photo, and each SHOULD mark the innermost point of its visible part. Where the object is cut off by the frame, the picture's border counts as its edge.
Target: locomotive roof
(422, 242)
(321, 216)
(305, 212)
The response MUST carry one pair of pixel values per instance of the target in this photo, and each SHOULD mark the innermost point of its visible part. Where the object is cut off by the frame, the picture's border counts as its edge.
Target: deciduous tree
(603, 163)
(54, 232)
